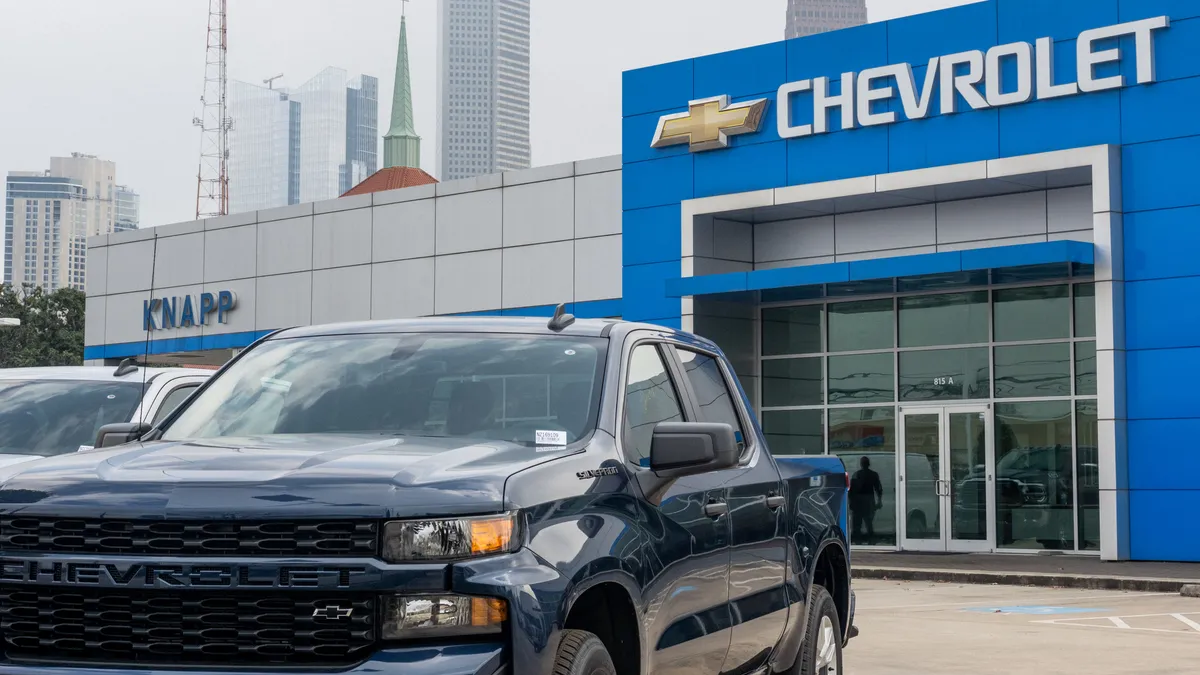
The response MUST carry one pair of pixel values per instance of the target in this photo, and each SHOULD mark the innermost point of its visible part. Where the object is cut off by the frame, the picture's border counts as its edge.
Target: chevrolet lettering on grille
(152, 575)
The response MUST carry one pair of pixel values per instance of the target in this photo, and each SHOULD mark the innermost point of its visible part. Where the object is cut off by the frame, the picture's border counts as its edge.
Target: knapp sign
(176, 312)
(975, 76)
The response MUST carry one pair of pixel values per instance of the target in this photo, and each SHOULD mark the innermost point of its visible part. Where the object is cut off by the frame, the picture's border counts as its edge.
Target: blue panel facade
(1156, 125)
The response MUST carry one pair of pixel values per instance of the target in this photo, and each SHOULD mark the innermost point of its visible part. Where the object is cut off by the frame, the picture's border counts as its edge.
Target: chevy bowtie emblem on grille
(709, 122)
(332, 612)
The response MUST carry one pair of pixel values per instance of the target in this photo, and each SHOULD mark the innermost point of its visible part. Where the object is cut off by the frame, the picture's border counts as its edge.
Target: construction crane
(270, 81)
(212, 181)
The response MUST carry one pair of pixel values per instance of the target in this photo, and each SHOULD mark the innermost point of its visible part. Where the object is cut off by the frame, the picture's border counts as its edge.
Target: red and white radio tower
(212, 187)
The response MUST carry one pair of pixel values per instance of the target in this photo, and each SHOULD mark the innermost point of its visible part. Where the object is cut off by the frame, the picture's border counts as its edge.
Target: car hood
(273, 476)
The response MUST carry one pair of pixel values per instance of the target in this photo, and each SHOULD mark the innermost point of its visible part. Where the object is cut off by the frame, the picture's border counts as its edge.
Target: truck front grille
(169, 628)
(190, 538)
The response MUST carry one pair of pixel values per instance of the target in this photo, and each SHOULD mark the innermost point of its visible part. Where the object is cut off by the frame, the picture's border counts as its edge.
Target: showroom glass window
(834, 370)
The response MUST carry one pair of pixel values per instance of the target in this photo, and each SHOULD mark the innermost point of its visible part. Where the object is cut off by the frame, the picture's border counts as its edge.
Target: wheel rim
(826, 658)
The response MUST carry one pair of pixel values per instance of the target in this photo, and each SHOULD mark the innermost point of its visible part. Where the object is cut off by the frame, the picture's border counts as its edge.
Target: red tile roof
(392, 178)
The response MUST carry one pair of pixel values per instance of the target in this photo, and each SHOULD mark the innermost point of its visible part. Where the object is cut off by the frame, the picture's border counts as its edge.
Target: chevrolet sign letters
(974, 75)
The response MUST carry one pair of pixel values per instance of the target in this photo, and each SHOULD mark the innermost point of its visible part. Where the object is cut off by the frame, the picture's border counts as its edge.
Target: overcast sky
(121, 79)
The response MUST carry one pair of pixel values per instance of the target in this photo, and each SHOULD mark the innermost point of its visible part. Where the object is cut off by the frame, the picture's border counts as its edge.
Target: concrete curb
(1146, 585)
(1190, 591)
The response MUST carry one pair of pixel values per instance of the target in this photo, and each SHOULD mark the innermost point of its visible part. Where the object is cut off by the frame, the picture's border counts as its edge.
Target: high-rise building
(263, 147)
(483, 87)
(809, 17)
(46, 223)
(339, 132)
(129, 208)
(48, 216)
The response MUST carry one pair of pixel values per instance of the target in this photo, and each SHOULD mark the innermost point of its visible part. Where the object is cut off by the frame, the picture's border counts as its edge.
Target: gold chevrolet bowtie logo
(709, 122)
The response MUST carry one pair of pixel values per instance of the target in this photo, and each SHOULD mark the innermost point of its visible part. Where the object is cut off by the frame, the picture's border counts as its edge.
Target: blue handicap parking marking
(1034, 609)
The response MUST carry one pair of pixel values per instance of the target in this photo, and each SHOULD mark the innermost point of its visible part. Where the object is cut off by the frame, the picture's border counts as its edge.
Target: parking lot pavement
(953, 629)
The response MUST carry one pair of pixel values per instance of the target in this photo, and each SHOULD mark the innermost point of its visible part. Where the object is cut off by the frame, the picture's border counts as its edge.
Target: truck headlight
(433, 616)
(450, 539)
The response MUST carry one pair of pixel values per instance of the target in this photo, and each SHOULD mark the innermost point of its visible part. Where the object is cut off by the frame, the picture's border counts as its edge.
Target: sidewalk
(1066, 571)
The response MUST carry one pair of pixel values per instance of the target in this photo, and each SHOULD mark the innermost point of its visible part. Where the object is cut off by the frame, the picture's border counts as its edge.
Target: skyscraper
(129, 207)
(483, 87)
(262, 147)
(809, 17)
(339, 132)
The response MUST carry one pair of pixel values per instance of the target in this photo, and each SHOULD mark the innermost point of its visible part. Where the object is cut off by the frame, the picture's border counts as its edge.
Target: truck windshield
(52, 417)
(494, 387)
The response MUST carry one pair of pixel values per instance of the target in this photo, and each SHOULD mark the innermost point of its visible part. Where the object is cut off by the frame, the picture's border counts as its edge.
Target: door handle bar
(716, 509)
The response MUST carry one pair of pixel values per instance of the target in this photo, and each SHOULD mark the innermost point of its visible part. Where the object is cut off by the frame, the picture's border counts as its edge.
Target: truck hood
(273, 476)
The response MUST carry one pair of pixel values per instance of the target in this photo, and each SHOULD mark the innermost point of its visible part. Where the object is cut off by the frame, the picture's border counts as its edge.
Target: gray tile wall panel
(342, 204)
(793, 239)
(539, 212)
(402, 289)
(1069, 209)
(1078, 235)
(469, 222)
(123, 318)
(598, 204)
(97, 271)
(703, 266)
(990, 243)
(794, 262)
(733, 240)
(185, 254)
(129, 266)
(539, 173)
(598, 268)
(886, 229)
(467, 282)
(341, 294)
(403, 230)
(474, 184)
(176, 229)
(283, 301)
(231, 253)
(597, 165)
(286, 212)
(890, 253)
(232, 220)
(285, 246)
(243, 316)
(93, 320)
(342, 238)
(991, 217)
(543, 274)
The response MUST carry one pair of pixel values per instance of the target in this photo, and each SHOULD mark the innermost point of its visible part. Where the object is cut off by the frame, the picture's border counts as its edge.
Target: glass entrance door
(946, 500)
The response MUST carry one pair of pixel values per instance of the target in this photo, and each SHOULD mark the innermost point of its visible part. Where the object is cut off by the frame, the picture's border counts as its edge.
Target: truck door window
(713, 394)
(172, 401)
(650, 398)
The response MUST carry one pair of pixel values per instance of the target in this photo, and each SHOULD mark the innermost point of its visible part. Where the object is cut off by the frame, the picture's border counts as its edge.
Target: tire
(582, 653)
(822, 650)
(916, 525)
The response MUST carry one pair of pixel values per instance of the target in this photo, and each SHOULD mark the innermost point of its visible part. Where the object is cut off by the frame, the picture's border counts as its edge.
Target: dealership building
(957, 248)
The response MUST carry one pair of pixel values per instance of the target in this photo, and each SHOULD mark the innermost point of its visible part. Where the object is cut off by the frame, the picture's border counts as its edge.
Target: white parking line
(1123, 622)
(1027, 601)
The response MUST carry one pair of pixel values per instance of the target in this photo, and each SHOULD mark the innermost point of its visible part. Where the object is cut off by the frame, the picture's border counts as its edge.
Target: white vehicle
(53, 411)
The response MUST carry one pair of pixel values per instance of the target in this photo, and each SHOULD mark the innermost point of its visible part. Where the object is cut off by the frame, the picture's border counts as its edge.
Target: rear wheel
(582, 653)
(822, 652)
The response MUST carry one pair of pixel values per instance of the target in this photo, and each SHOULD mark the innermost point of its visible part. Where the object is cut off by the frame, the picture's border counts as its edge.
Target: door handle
(715, 510)
(775, 501)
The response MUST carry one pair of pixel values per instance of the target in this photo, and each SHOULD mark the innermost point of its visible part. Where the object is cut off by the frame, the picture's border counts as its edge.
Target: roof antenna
(561, 319)
(126, 367)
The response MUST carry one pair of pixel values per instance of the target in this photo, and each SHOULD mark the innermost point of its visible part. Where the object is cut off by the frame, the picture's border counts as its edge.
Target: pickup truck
(434, 496)
(55, 410)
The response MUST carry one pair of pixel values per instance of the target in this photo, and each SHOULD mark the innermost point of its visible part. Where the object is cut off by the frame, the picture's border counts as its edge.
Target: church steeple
(402, 145)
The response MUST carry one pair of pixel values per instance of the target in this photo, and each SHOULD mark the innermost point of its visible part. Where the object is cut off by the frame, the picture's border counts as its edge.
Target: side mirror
(679, 449)
(110, 435)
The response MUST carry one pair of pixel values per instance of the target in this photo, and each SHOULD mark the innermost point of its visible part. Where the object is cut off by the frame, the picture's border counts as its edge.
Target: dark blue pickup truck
(434, 497)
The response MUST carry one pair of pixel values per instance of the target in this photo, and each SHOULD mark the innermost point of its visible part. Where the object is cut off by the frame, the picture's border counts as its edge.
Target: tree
(51, 330)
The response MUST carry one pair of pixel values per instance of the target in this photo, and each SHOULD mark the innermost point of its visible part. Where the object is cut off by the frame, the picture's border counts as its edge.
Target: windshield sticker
(550, 437)
(281, 386)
